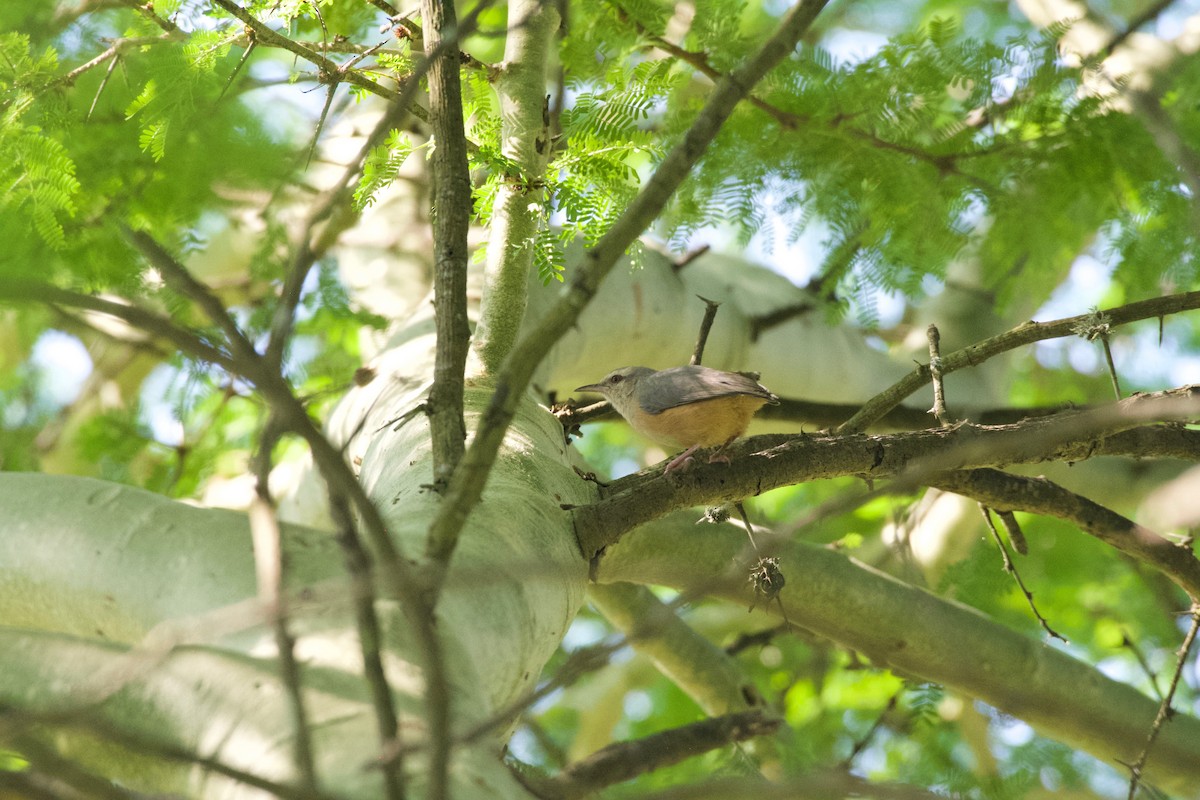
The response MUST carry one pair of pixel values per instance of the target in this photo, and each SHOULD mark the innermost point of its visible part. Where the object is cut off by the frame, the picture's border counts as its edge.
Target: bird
(689, 407)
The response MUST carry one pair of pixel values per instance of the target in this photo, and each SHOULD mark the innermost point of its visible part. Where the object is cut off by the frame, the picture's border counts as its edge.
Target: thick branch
(451, 219)
(773, 461)
(466, 487)
(1023, 334)
(525, 140)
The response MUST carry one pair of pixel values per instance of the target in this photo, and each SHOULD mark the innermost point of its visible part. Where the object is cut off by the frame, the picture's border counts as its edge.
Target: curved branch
(156, 325)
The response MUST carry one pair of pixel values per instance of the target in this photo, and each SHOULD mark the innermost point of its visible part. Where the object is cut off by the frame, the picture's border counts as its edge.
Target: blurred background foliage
(903, 136)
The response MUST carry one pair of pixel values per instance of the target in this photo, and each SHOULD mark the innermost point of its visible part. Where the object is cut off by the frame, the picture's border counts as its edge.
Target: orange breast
(706, 423)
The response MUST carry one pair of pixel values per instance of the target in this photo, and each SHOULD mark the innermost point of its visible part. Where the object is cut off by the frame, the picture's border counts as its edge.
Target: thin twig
(268, 37)
(112, 65)
(238, 68)
(157, 326)
(1148, 15)
(178, 278)
(1164, 708)
(309, 249)
(1112, 368)
(370, 640)
(385, 7)
(710, 313)
(688, 258)
(269, 566)
(155, 746)
(114, 50)
(147, 11)
(344, 489)
(67, 773)
(1011, 569)
(741, 509)
(862, 743)
(316, 137)
(789, 120)
(1129, 644)
(581, 662)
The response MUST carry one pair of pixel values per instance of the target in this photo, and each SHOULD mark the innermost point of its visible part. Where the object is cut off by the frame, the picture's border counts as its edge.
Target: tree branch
(625, 760)
(311, 247)
(451, 217)
(153, 746)
(370, 640)
(790, 120)
(328, 69)
(343, 486)
(768, 462)
(16, 289)
(1023, 334)
(269, 567)
(517, 209)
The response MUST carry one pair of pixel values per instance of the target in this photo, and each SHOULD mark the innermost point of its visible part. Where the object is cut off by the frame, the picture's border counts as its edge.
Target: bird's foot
(681, 462)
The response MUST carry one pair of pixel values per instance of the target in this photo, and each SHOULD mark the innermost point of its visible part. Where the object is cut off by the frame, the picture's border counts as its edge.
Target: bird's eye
(616, 379)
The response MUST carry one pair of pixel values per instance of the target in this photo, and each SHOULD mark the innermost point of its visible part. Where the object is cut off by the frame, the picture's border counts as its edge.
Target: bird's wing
(683, 385)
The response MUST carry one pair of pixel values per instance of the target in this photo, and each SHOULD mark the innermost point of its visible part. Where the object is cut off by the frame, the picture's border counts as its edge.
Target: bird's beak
(591, 387)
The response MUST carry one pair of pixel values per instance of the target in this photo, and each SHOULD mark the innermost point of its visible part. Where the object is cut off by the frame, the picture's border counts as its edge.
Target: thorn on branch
(1130, 645)
(252, 43)
(710, 313)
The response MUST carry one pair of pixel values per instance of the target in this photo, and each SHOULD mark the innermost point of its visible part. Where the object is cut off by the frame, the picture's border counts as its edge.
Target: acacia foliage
(901, 155)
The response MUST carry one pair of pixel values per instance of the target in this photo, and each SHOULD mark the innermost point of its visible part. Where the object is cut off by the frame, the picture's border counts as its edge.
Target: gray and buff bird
(689, 407)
